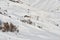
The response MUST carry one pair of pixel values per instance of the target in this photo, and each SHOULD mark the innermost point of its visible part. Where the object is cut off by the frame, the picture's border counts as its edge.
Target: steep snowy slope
(43, 27)
(27, 32)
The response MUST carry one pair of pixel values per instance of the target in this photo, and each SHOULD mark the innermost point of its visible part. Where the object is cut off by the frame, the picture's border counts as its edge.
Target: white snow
(47, 20)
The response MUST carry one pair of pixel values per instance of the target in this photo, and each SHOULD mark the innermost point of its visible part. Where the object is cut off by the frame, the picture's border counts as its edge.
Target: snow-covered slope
(45, 25)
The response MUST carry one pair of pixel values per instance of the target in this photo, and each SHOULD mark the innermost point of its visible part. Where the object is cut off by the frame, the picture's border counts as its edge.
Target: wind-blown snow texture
(44, 16)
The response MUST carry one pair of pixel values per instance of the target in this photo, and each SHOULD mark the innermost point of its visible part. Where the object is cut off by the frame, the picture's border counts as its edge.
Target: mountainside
(33, 19)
